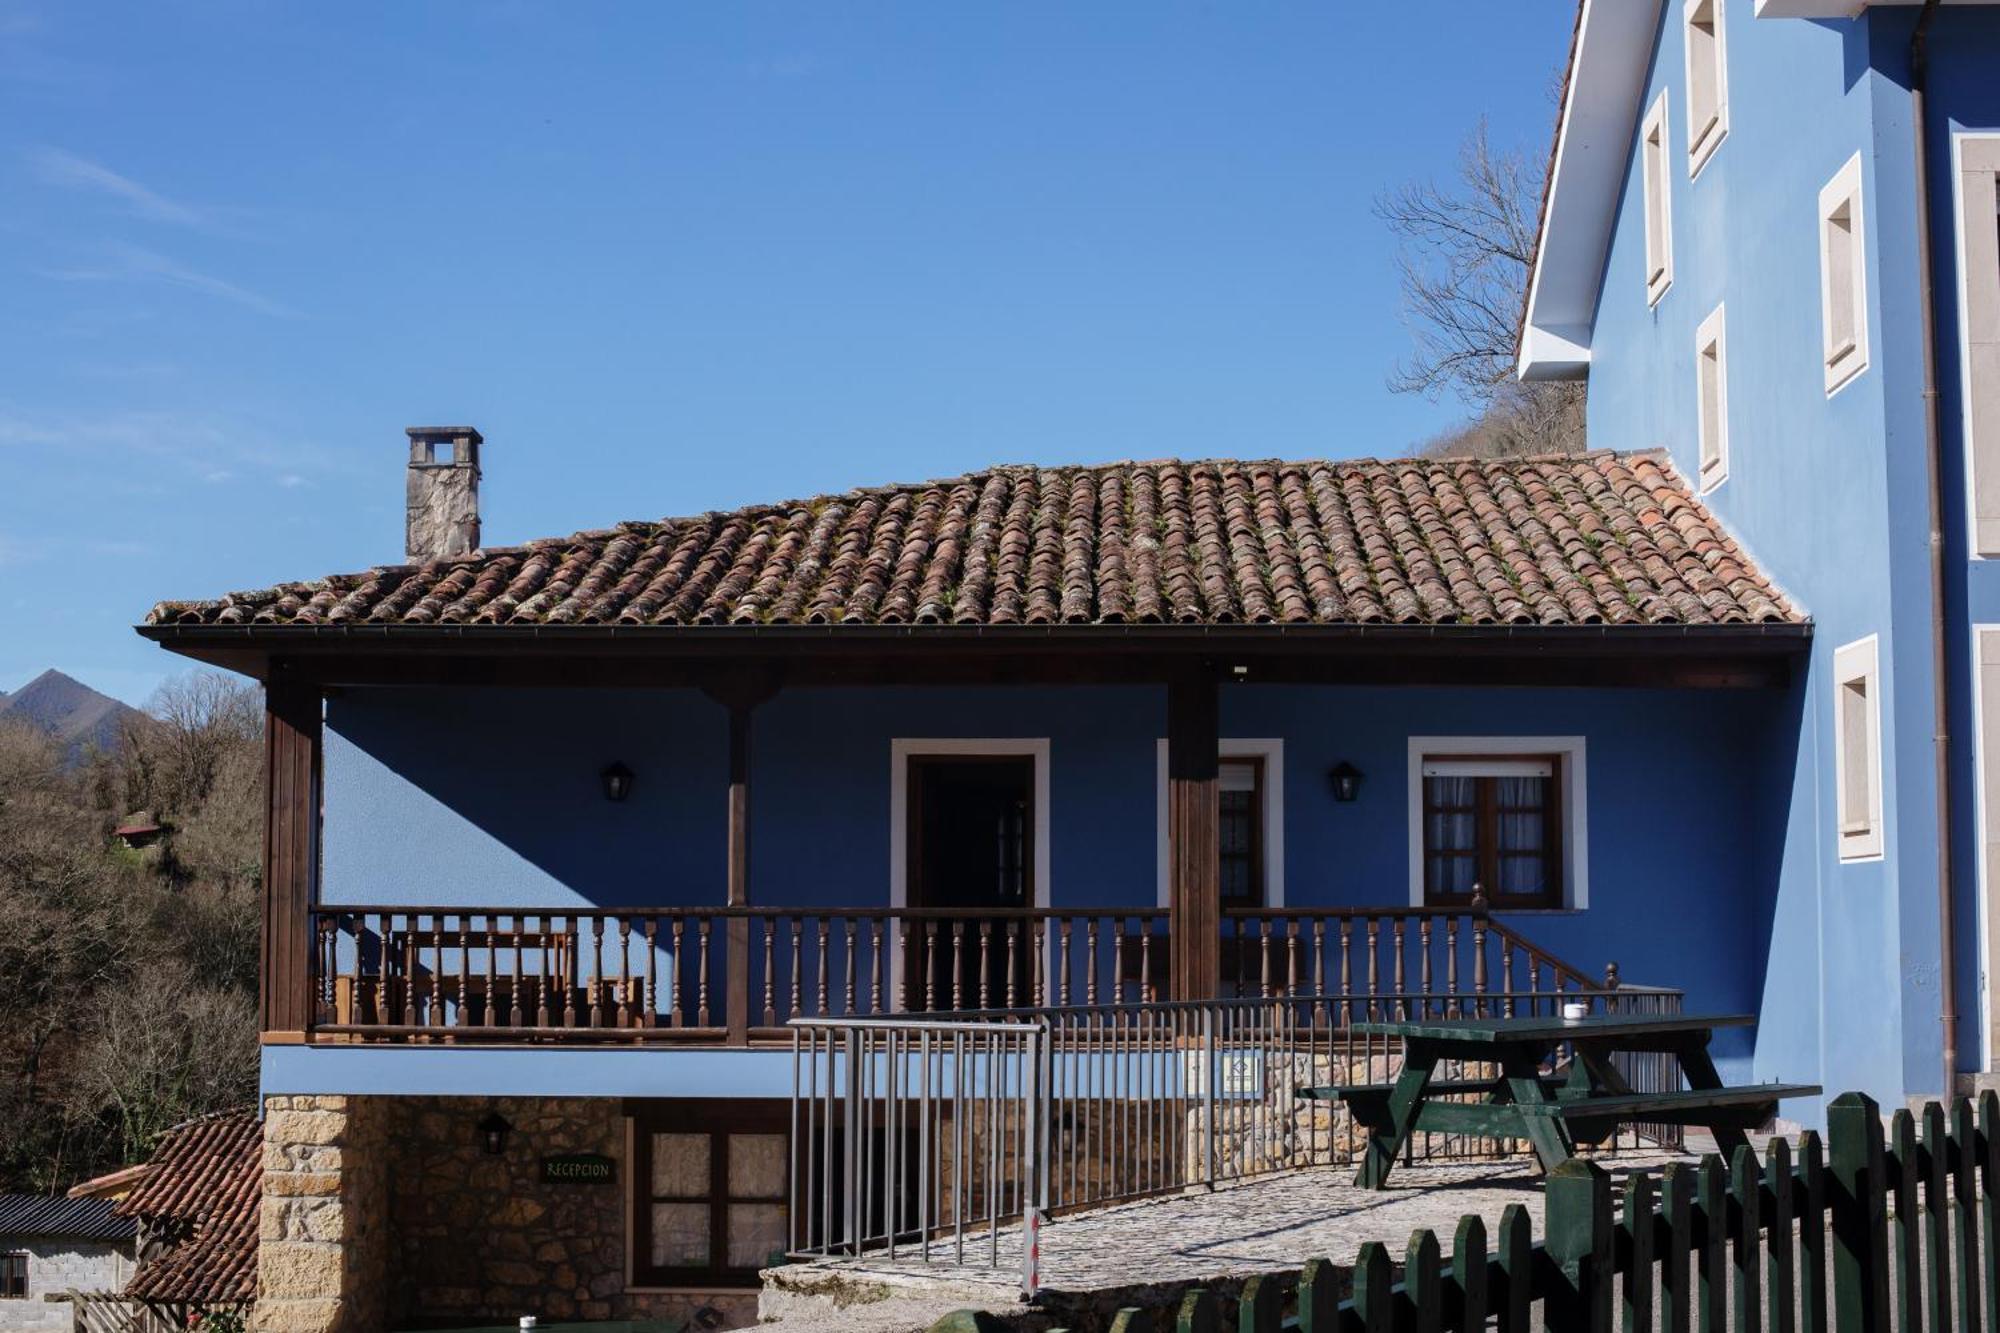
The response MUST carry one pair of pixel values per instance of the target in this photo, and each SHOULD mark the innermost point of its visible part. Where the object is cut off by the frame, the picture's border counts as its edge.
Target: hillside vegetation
(129, 976)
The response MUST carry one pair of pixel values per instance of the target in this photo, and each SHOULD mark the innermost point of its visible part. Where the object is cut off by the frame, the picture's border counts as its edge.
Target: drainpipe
(1940, 699)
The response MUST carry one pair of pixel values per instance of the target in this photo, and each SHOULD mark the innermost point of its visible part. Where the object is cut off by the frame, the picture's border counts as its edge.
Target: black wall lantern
(617, 782)
(1346, 781)
(493, 1132)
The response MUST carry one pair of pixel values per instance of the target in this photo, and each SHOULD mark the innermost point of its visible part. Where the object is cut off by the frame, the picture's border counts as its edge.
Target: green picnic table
(1555, 1112)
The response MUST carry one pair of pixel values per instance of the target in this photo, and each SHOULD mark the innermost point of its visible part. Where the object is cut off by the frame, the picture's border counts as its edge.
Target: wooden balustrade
(669, 974)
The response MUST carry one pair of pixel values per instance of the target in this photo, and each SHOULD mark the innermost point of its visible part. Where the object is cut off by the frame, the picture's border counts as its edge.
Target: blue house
(565, 838)
(1768, 242)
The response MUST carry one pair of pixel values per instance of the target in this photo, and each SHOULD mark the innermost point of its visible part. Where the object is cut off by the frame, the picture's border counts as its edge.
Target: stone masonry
(323, 1221)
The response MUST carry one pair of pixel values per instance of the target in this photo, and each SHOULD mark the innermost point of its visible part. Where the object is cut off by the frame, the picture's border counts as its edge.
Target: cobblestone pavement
(1145, 1253)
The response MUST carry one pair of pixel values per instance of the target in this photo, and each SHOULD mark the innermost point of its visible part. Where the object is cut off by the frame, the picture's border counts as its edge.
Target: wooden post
(1859, 1207)
(736, 1006)
(1193, 857)
(1579, 1244)
(292, 730)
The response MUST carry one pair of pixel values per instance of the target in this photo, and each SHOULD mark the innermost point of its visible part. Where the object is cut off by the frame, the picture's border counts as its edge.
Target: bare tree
(1465, 251)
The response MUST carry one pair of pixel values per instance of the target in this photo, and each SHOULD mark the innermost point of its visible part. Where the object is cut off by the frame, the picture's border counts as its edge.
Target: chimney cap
(445, 433)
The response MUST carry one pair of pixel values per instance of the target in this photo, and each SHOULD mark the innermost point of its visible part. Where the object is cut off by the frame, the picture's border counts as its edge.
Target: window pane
(1839, 283)
(756, 1231)
(680, 1235)
(680, 1165)
(1856, 809)
(1453, 874)
(756, 1166)
(1522, 874)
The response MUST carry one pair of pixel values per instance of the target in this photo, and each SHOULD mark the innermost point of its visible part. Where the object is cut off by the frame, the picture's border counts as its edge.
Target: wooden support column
(292, 730)
(1193, 860)
(736, 1006)
(740, 694)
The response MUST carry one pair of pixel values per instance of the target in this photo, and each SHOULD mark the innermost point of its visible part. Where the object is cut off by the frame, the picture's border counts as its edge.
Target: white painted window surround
(1272, 752)
(1575, 812)
(1857, 751)
(1843, 277)
(1658, 197)
(901, 749)
(1711, 361)
(1705, 43)
(1986, 767)
(1977, 186)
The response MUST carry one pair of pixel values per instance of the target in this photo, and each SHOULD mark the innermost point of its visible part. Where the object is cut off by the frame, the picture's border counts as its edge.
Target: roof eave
(1608, 60)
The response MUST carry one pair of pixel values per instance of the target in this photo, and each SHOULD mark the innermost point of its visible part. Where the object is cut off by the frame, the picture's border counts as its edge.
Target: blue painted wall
(1830, 492)
(491, 798)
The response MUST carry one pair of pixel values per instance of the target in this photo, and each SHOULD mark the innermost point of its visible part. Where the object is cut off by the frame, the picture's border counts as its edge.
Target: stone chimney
(443, 493)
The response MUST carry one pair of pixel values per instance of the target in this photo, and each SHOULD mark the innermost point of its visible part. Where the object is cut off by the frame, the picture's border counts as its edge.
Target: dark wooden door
(971, 848)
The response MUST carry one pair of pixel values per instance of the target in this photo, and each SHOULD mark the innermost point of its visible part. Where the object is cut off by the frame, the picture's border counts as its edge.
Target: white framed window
(1250, 782)
(1843, 277)
(1986, 768)
(1978, 190)
(1658, 201)
(1711, 369)
(1857, 749)
(1705, 42)
(1506, 814)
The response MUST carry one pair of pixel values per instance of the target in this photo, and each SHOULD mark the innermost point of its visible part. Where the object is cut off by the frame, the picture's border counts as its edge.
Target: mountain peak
(78, 717)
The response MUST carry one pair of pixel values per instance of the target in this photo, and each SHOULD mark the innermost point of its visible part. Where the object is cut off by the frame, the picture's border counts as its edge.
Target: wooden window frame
(14, 1261)
(719, 1119)
(1259, 894)
(1486, 848)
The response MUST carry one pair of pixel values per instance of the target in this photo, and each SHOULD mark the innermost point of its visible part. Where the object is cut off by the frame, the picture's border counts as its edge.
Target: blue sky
(675, 257)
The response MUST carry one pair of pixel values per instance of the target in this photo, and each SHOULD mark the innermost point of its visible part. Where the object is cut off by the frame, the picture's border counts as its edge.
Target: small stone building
(57, 1245)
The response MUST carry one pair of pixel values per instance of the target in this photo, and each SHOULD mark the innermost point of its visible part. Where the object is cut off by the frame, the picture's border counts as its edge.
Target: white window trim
(1859, 658)
(1657, 121)
(1714, 329)
(1987, 142)
(901, 750)
(1575, 812)
(1272, 752)
(1700, 153)
(1843, 366)
(1984, 867)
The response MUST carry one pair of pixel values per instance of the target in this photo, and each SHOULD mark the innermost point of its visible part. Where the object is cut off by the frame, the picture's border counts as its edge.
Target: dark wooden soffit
(1710, 656)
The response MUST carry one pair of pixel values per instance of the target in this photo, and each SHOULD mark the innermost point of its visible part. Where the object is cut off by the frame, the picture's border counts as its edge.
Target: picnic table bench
(1553, 1111)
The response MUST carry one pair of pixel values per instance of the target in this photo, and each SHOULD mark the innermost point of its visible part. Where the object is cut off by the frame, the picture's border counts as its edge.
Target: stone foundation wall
(385, 1212)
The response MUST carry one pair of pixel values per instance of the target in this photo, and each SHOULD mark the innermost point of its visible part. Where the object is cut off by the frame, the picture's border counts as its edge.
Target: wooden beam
(1193, 814)
(292, 734)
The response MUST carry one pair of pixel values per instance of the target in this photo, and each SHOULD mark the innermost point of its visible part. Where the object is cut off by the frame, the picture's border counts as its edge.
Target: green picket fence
(1859, 1236)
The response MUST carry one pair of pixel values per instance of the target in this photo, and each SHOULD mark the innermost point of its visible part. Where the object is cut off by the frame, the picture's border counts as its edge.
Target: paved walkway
(1147, 1253)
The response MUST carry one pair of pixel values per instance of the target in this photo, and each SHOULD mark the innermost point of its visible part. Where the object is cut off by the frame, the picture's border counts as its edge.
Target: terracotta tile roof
(1595, 538)
(201, 1197)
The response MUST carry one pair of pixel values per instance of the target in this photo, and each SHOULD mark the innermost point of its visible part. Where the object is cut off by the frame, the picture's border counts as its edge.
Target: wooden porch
(736, 975)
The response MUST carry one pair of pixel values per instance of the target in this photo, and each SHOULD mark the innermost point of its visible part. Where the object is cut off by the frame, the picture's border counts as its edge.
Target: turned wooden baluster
(1118, 962)
(1264, 957)
(1038, 929)
(1090, 961)
(1374, 966)
(1424, 944)
(435, 1016)
(1346, 970)
(909, 983)
(1063, 964)
(1010, 929)
(770, 928)
(1507, 974)
(823, 962)
(679, 941)
(325, 961)
(702, 929)
(1451, 963)
(847, 969)
(492, 1003)
(515, 1016)
(1479, 965)
(382, 929)
(596, 993)
(1146, 992)
(544, 937)
(985, 963)
(624, 972)
(930, 966)
(957, 966)
(464, 970)
(649, 1002)
(798, 967)
(1291, 957)
(876, 934)
(1319, 957)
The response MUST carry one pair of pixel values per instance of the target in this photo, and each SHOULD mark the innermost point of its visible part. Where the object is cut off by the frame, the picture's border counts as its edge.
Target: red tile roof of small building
(1597, 538)
(202, 1197)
